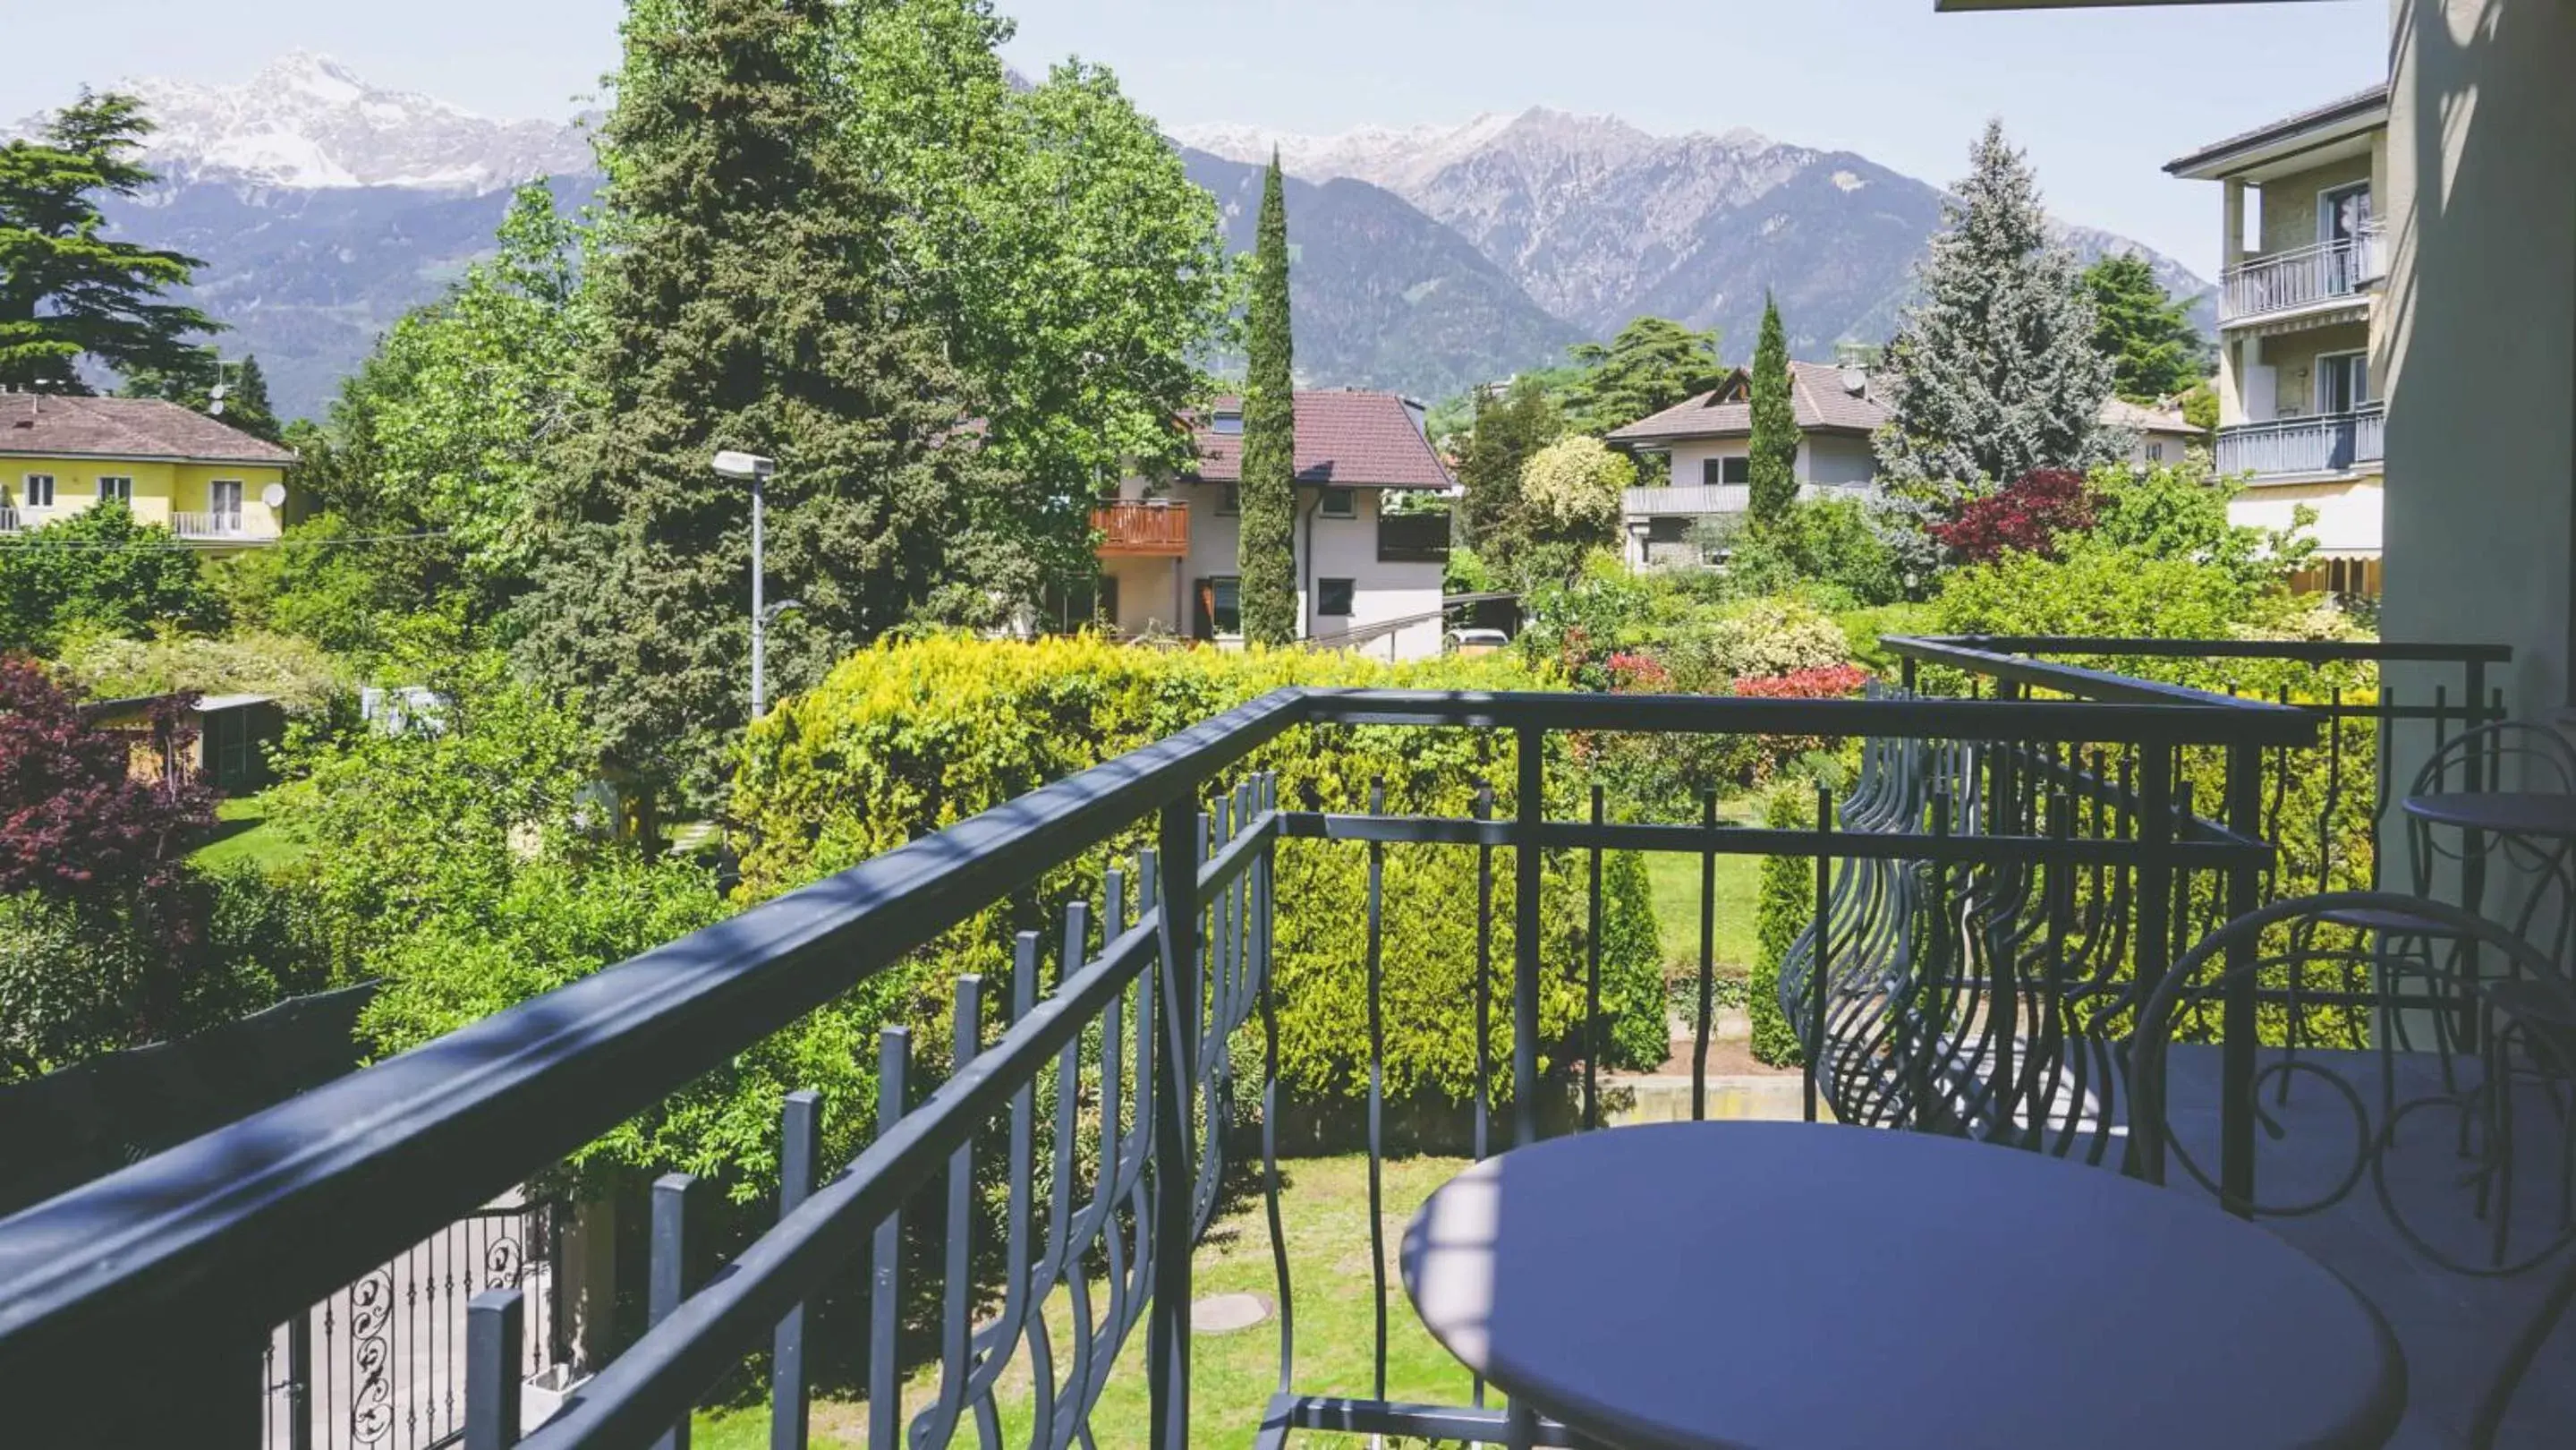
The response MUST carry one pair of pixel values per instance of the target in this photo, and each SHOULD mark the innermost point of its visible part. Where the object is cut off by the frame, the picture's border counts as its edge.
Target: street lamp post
(752, 468)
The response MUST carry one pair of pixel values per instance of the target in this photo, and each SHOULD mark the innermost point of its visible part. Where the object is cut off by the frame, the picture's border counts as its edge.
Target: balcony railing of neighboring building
(2303, 276)
(1413, 538)
(16, 518)
(219, 524)
(1139, 1048)
(2326, 443)
(1142, 527)
(1695, 498)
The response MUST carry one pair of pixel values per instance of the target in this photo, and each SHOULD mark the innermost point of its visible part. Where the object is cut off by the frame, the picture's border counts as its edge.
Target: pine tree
(246, 404)
(1994, 369)
(748, 304)
(66, 291)
(1774, 465)
(2154, 350)
(1266, 544)
(1652, 364)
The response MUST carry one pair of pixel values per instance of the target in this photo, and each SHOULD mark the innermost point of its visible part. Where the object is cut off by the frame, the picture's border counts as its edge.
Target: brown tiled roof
(125, 428)
(1816, 396)
(1349, 439)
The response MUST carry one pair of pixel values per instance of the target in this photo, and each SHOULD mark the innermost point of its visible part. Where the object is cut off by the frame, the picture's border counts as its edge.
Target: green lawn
(1674, 880)
(243, 835)
(1324, 1206)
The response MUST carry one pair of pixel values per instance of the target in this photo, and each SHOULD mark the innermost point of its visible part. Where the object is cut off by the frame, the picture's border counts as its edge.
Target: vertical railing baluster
(1373, 947)
(800, 1149)
(1821, 962)
(1270, 1182)
(668, 1282)
(1168, 1336)
(2155, 897)
(1531, 810)
(1592, 985)
(495, 1339)
(966, 1042)
(1484, 971)
(885, 1256)
(1703, 1022)
(2237, 1056)
(299, 1381)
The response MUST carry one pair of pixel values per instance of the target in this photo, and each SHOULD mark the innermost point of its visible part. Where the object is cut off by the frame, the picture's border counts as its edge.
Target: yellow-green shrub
(910, 737)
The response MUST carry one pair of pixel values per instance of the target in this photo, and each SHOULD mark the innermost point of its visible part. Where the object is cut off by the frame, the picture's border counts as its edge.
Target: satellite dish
(274, 495)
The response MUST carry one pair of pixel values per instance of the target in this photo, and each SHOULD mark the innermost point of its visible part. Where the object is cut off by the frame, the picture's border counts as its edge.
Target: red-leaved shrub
(2023, 517)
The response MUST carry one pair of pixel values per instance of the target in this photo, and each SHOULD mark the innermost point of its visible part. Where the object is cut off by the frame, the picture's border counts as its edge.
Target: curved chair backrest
(2326, 998)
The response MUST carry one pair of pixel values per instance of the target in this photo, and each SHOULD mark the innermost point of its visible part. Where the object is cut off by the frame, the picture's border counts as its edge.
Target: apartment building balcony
(2330, 281)
(1693, 499)
(1143, 529)
(220, 526)
(2045, 920)
(2326, 445)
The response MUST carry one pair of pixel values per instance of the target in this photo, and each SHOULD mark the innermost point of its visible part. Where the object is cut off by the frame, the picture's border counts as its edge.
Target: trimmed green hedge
(910, 737)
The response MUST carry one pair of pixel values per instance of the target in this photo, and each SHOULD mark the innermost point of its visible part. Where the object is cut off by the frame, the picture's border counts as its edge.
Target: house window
(2343, 381)
(1333, 598)
(224, 501)
(1229, 501)
(1220, 606)
(40, 491)
(1716, 471)
(1105, 601)
(2155, 453)
(112, 487)
(1340, 503)
(1228, 422)
(1668, 530)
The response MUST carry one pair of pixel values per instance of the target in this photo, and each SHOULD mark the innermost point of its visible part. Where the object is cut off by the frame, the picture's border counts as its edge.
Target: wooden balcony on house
(1142, 528)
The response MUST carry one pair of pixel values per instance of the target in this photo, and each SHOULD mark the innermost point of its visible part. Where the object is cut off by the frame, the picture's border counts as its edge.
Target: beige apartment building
(2305, 267)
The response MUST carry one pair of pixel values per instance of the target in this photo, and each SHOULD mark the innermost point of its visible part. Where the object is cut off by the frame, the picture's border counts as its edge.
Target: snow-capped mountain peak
(306, 121)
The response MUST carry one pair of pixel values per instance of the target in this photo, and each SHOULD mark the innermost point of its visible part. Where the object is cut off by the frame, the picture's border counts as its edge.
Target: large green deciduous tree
(69, 292)
(751, 298)
(449, 427)
(1509, 430)
(1052, 236)
(1652, 364)
(1266, 543)
(2154, 350)
(1994, 369)
(1774, 464)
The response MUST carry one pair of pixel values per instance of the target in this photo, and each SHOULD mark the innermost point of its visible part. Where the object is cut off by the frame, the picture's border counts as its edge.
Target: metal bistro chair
(2537, 761)
(2331, 1094)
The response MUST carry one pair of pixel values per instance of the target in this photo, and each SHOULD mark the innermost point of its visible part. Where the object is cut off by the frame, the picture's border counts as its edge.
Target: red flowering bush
(1639, 674)
(2023, 517)
(1825, 682)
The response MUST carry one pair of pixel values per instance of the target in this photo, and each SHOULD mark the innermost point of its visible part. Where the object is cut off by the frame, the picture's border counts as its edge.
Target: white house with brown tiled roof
(211, 484)
(1368, 576)
(1694, 459)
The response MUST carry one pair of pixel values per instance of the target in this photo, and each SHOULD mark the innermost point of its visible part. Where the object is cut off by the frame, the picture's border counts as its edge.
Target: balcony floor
(2452, 1327)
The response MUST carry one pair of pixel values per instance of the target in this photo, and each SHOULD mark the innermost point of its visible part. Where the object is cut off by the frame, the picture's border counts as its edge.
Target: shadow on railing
(1108, 1086)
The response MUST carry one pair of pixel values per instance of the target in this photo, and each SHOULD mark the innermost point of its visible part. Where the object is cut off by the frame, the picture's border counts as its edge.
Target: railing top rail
(2262, 724)
(273, 1211)
(2306, 650)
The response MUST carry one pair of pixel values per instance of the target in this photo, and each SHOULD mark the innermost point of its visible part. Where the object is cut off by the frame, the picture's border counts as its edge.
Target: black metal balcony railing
(1109, 1094)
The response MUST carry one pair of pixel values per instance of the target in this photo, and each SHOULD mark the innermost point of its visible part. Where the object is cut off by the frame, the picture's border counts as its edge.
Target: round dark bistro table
(2537, 815)
(1793, 1286)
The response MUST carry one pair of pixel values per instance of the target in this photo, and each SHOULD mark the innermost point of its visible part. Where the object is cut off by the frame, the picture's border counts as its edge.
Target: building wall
(2292, 356)
(2348, 514)
(2479, 344)
(1687, 462)
(1836, 460)
(1340, 549)
(160, 488)
(2290, 202)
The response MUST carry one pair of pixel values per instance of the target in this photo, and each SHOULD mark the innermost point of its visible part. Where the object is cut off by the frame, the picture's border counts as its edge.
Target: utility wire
(190, 545)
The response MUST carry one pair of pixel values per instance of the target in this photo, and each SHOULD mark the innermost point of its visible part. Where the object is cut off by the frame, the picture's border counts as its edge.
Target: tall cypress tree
(1266, 548)
(1774, 465)
(66, 291)
(1995, 371)
(748, 304)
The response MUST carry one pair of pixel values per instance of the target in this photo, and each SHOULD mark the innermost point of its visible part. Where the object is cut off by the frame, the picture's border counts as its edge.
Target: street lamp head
(732, 464)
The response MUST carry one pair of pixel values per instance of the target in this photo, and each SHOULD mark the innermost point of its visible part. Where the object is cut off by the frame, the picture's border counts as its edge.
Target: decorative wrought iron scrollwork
(371, 1410)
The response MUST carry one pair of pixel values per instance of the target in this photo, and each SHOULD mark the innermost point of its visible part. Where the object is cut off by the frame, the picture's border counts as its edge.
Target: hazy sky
(2100, 97)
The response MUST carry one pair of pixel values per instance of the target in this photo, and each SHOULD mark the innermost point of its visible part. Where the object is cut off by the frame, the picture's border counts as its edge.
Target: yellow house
(211, 484)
